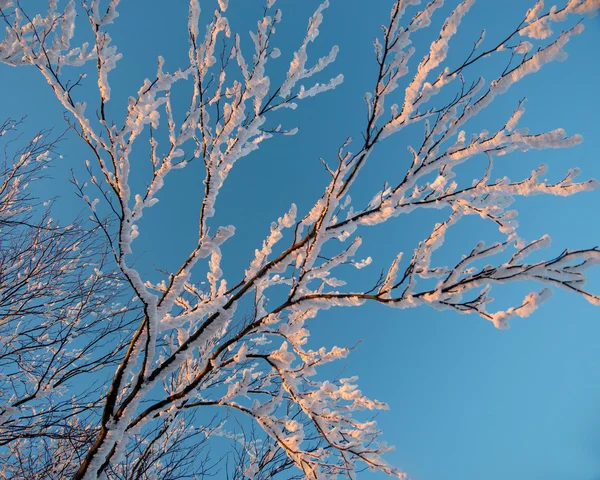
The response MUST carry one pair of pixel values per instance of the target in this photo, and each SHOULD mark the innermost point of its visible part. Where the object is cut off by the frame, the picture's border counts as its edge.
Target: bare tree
(192, 355)
(61, 318)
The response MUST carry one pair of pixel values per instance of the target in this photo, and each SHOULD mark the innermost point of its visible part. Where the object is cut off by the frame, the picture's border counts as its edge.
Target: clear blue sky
(466, 401)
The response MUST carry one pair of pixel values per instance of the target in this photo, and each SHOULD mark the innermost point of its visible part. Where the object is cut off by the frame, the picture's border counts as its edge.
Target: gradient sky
(467, 401)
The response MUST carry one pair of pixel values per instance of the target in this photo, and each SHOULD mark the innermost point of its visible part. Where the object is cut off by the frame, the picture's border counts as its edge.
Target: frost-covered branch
(243, 346)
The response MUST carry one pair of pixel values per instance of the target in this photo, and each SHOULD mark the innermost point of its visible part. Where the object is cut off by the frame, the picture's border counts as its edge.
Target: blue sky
(466, 401)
